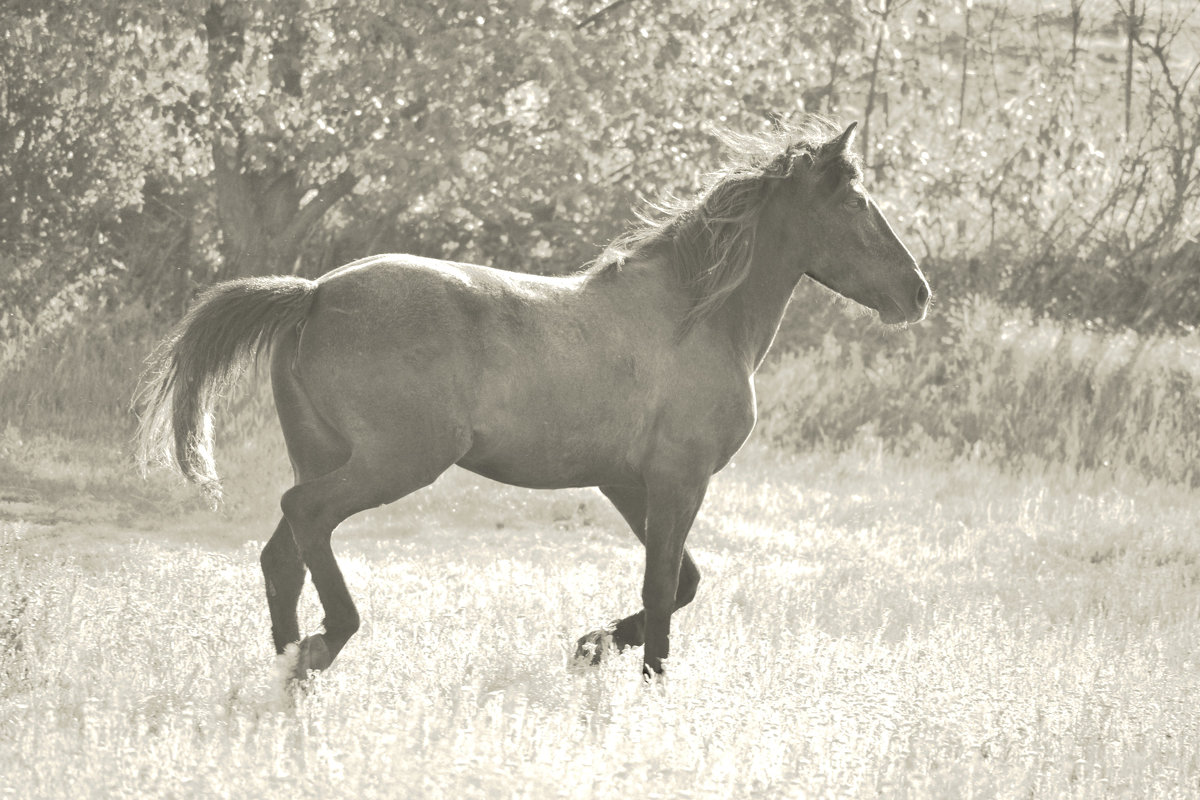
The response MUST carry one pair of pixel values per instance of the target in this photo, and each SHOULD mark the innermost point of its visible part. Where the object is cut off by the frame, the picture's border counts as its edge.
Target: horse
(634, 375)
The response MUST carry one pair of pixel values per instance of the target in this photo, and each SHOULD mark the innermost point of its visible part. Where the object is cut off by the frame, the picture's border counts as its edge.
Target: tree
(75, 143)
(183, 142)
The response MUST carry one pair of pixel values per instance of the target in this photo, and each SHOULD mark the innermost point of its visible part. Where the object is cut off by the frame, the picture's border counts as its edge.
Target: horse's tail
(228, 325)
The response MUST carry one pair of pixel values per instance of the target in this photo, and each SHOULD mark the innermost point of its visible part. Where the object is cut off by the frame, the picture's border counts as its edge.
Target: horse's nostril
(922, 295)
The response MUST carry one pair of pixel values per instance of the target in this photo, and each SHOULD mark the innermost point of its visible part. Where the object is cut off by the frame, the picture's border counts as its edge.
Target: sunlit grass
(866, 625)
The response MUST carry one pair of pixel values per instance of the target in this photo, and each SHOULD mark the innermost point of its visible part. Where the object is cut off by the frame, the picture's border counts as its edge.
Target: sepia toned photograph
(572, 399)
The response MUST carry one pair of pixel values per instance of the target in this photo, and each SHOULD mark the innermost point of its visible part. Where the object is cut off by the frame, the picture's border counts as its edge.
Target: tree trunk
(262, 213)
(1131, 32)
(263, 224)
(966, 64)
(871, 87)
(1076, 25)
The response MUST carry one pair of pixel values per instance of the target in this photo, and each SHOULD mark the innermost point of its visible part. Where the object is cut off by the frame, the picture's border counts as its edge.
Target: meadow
(868, 624)
(958, 560)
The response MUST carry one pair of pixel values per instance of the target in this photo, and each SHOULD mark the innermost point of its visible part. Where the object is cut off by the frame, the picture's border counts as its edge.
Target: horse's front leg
(630, 631)
(672, 503)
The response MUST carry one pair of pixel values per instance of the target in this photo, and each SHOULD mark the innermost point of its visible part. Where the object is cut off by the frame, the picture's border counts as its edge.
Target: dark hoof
(594, 647)
(653, 671)
(313, 656)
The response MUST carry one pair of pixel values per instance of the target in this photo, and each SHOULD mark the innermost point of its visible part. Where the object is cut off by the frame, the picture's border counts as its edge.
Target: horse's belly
(539, 478)
(551, 458)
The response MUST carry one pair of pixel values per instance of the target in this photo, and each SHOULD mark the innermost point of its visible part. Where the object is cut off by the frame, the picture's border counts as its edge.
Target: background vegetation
(1044, 154)
(1038, 156)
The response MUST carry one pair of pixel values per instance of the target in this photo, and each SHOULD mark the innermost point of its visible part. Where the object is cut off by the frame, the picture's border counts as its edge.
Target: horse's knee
(280, 548)
(345, 625)
(689, 579)
(658, 600)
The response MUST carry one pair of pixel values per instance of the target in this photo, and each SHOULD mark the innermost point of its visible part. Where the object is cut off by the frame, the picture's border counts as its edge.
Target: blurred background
(1038, 158)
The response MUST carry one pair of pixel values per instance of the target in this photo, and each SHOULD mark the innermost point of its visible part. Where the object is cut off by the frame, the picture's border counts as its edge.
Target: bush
(986, 381)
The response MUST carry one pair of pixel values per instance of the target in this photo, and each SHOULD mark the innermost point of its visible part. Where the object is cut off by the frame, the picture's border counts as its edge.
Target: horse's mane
(708, 239)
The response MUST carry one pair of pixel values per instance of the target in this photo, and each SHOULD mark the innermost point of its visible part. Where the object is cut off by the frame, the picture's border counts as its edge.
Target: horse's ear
(843, 142)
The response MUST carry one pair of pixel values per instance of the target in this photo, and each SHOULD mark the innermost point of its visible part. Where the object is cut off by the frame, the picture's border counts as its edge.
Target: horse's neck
(753, 312)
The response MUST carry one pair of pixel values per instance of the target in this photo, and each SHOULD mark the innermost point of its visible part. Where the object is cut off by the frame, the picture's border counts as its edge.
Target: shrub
(987, 381)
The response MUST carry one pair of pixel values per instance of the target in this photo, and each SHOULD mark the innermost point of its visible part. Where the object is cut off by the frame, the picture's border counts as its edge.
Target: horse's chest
(709, 421)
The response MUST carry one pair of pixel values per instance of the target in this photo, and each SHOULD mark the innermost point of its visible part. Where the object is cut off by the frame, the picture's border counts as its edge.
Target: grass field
(867, 625)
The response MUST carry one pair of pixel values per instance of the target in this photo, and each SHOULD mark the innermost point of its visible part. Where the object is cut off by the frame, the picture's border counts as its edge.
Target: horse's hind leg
(283, 572)
(372, 477)
(630, 631)
(312, 510)
(315, 449)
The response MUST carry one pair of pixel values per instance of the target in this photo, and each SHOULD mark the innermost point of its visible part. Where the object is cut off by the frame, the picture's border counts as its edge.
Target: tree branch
(594, 18)
(312, 211)
(414, 108)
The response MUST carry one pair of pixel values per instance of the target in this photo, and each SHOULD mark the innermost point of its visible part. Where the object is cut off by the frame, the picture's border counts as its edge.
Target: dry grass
(866, 625)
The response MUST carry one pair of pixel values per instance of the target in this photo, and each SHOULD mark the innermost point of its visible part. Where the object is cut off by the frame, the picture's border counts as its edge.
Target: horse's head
(841, 239)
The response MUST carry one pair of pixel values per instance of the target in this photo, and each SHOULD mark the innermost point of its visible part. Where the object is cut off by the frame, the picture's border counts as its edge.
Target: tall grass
(984, 380)
(66, 426)
(76, 381)
(866, 626)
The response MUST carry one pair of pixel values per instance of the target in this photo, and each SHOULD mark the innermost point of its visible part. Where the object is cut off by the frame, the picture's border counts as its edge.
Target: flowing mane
(708, 239)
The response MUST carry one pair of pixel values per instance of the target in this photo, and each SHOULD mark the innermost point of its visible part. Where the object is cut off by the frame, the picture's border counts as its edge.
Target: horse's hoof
(314, 656)
(653, 672)
(594, 647)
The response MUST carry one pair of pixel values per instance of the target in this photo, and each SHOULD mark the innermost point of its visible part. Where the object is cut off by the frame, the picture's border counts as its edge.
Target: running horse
(634, 375)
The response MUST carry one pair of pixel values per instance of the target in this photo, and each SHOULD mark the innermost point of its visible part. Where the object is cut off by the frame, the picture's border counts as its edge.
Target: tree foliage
(159, 148)
(75, 149)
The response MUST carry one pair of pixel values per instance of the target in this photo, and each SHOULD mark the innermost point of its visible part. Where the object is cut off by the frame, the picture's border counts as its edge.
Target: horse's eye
(856, 203)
